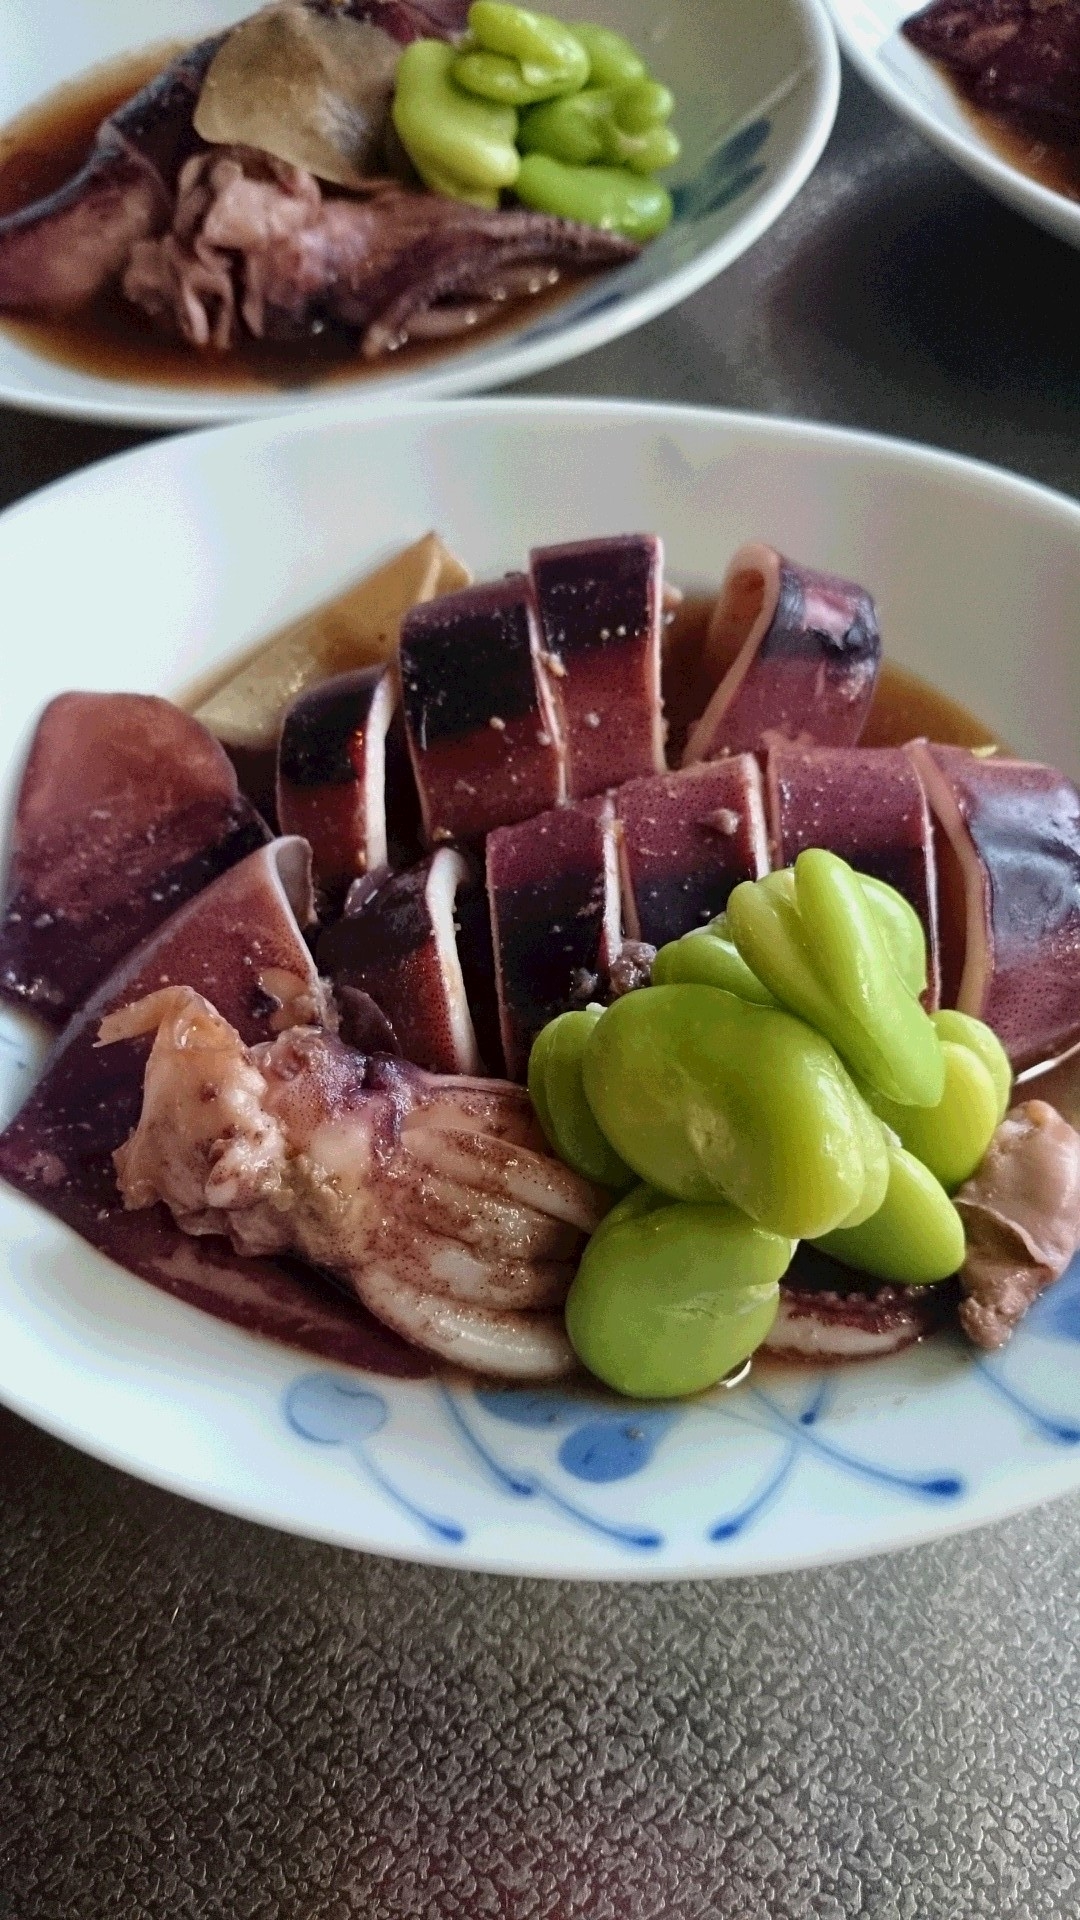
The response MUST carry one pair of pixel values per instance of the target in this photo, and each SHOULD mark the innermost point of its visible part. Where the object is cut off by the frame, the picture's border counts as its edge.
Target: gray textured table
(201, 1719)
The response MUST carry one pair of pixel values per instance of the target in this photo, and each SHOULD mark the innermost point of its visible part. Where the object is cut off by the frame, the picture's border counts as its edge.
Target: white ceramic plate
(869, 32)
(756, 85)
(144, 571)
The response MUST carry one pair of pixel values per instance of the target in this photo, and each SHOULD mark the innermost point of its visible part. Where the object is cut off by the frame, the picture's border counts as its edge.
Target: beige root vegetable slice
(313, 88)
(357, 628)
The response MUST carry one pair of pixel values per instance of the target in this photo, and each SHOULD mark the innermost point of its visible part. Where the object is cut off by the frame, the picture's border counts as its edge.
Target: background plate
(756, 85)
(869, 32)
(144, 571)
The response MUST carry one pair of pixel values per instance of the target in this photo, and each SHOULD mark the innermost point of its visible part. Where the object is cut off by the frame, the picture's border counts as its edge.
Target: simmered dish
(624, 986)
(386, 172)
(1017, 63)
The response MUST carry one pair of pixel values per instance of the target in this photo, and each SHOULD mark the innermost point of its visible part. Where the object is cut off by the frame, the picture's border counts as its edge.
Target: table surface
(201, 1719)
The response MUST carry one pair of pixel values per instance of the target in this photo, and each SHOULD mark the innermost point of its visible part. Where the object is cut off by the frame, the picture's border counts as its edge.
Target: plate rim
(822, 71)
(918, 1527)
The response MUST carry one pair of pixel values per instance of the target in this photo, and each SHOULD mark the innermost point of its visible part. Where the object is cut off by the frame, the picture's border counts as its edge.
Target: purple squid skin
(868, 805)
(59, 252)
(686, 841)
(600, 610)
(227, 943)
(127, 808)
(807, 662)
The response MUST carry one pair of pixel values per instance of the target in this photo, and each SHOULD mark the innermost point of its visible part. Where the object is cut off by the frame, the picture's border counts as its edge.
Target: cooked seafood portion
(254, 246)
(126, 809)
(600, 605)
(827, 1314)
(331, 772)
(869, 805)
(1021, 1214)
(1020, 57)
(432, 1198)
(804, 649)
(397, 943)
(1009, 860)
(685, 840)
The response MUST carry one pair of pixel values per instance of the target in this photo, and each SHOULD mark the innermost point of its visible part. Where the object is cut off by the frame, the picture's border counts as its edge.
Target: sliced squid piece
(400, 946)
(868, 805)
(685, 840)
(57, 253)
(127, 808)
(240, 942)
(1008, 854)
(302, 1146)
(601, 607)
(829, 1314)
(331, 773)
(556, 926)
(481, 723)
(804, 652)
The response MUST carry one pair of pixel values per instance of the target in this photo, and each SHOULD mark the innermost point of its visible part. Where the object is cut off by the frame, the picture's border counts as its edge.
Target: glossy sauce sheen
(113, 341)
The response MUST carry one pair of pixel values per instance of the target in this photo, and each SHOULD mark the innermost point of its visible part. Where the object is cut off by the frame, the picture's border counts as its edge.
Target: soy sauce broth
(111, 340)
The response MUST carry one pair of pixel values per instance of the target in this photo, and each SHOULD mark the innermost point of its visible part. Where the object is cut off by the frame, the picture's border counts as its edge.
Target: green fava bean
(620, 128)
(555, 1086)
(613, 62)
(710, 1098)
(812, 937)
(669, 1297)
(902, 931)
(983, 1041)
(915, 1237)
(951, 1138)
(709, 959)
(460, 146)
(607, 197)
(519, 57)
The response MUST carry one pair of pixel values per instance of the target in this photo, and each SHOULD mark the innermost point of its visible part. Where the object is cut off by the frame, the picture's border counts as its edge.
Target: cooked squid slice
(600, 604)
(556, 925)
(331, 773)
(828, 1314)
(399, 944)
(241, 942)
(868, 805)
(1008, 855)
(1021, 1214)
(126, 809)
(481, 724)
(796, 654)
(301, 1146)
(685, 840)
(59, 252)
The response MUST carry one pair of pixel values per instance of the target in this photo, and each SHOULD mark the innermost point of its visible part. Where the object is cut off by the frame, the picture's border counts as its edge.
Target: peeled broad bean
(916, 1236)
(901, 929)
(709, 958)
(557, 1093)
(607, 197)
(669, 1297)
(460, 146)
(613, 126)
(613, 62)
(710, 1098)
(966, 1031)
(811, 935)
(518, 57)
(952, 1137)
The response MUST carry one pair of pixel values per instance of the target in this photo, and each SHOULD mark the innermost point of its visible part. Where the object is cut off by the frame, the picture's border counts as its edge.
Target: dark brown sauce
(112, 340)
